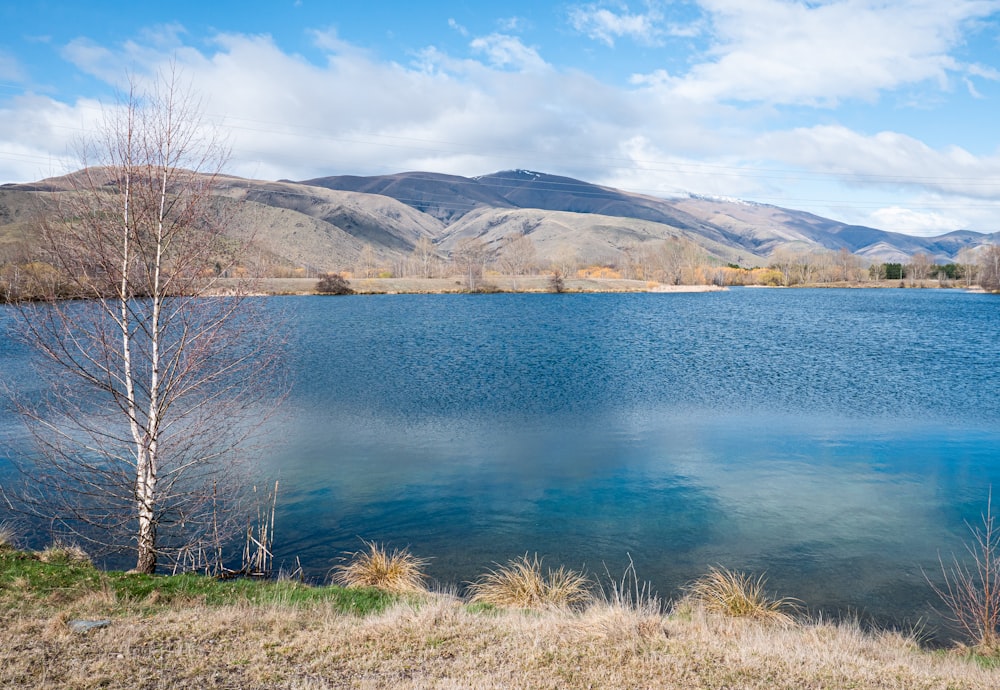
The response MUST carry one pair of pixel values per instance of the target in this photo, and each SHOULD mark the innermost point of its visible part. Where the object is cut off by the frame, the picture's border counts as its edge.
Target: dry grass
(63, 552)
(6, 536)
(740, 595)
(521, 584)
(622, 639)
(439, 643)
(399, 572)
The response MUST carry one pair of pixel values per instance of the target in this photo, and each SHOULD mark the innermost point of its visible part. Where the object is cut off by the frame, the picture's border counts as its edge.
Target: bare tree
(518, 255)
(968, 260)
(566, 262)
(152, 380)
(470, 256)
(691, 257)
(424, 258)
(920, 266)
(989, 268)
(367, 262)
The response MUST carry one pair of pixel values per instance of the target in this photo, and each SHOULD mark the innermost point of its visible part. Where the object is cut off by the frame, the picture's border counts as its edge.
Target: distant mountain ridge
(757, 229)
(330, 223)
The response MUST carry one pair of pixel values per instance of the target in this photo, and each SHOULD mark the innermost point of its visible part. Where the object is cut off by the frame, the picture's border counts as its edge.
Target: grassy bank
(193, 631)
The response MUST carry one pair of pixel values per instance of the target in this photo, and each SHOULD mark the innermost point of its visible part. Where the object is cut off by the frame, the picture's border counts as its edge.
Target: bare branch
(151, 379)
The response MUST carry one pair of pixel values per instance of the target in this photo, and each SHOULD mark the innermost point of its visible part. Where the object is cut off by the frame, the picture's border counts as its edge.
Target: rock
(82, 626)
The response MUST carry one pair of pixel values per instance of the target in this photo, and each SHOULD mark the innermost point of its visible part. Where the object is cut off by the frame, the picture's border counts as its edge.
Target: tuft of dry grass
(521, 584)
(6, 536)
(741, 595)
(399, 572)
(63, 552)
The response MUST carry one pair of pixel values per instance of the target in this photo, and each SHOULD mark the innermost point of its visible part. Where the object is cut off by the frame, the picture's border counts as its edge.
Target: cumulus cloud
(820, 53)
(886, 159)
(40, 137)
(508, 52)
(915, 222)
(606, 25)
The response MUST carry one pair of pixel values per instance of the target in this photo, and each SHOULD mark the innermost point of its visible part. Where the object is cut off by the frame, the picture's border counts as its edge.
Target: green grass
(26, 579)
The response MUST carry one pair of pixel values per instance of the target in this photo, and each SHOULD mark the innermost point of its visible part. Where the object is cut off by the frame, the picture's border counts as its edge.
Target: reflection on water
(835, 439)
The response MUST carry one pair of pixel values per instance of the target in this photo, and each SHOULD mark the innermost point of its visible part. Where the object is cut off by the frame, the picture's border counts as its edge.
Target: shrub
(556, 282)
(740, 595)
(971, 592)
(521, 584)
(333, 284)
(399, 572)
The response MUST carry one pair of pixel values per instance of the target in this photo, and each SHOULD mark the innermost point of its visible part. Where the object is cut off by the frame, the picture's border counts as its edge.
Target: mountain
(330, 223)
(748, 230)
(445, 197)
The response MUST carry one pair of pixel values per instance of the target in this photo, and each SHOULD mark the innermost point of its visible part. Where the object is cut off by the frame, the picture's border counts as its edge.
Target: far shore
(533, 284)
(542, 284)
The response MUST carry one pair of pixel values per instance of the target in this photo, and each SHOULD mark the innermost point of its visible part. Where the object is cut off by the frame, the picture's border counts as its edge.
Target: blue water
(835, 439)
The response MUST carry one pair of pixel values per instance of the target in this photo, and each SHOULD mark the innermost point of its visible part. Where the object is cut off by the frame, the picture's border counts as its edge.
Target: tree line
(676, 261)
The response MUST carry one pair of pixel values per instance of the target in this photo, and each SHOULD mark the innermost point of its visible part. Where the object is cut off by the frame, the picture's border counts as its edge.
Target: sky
(883, 113)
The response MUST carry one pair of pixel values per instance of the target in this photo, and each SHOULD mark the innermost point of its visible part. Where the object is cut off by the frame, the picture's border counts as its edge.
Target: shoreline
(541, 285)
(69, 625)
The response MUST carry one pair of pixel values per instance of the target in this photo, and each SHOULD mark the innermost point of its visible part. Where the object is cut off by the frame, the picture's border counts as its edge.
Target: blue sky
(879, 112)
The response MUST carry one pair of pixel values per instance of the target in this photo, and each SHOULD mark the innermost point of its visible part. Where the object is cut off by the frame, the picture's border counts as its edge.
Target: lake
(835, 439)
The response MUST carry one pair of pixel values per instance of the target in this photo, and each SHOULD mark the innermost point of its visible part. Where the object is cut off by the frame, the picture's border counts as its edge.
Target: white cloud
(606, 25)
(457, 27)
(820, 53)
(40, 137)
(92, 58)
(509, 24)
(914, 222)
(887, 160)
(508, 52)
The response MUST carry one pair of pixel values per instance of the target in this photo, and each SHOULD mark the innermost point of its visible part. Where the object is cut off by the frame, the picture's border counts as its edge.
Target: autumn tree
(152, 383)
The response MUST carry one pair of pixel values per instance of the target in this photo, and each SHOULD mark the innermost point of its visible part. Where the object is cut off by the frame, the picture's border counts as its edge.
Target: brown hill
(334, 223)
